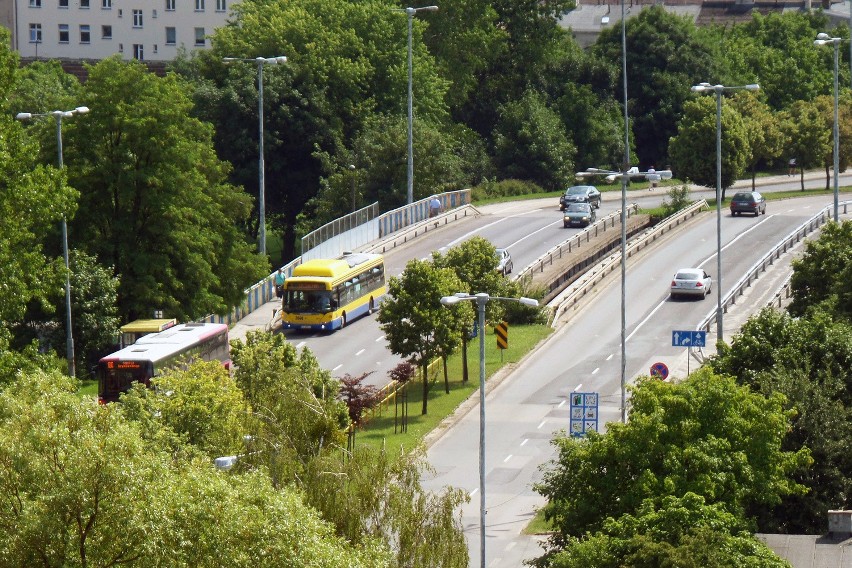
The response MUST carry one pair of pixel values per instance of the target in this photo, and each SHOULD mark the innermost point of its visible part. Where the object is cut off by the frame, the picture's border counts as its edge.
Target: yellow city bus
(326, 294)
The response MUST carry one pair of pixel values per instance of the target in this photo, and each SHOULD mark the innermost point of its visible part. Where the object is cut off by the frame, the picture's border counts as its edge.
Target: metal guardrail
(339, 226)
(572, 243)
(401, 237)
(594, 276)
(786, 244)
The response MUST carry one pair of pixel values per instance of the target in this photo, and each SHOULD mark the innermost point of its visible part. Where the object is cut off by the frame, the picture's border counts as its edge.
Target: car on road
(504, 264)
(580, 194)
(691, 282)
(579, 215)
(748, 202)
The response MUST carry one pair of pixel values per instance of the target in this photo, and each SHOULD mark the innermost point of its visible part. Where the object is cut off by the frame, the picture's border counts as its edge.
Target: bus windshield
(308, 301)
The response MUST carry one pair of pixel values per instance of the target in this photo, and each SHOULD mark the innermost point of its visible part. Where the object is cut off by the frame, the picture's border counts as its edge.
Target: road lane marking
(611, 355)
(473, 232)
(472, 493)
(560, 404)
(542, 424)
(596, 370)
(534, 232)
(525, 441)
(300, 345)
(578, 387)
(336, 368)
(360, 352)
(379, 338)
(507, 458)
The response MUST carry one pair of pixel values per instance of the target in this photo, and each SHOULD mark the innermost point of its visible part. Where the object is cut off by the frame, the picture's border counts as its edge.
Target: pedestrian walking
(791, 167)
(434, 206)
(279, 283)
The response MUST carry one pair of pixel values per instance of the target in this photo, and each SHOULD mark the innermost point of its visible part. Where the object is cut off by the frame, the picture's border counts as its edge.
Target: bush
(505, 188)
(678, 198)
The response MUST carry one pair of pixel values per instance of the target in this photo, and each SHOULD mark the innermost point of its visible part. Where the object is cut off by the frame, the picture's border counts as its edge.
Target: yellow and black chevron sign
(501, 330)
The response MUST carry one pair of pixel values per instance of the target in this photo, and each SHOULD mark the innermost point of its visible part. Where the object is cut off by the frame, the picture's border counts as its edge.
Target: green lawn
(384, 428)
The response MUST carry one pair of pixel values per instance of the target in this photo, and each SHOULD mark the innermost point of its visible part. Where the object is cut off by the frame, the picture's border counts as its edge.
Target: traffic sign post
(584, 413)
(687, 338)
(660, 370)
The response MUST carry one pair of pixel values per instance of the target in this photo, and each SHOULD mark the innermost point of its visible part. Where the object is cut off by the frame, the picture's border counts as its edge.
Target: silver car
(504, 261)
(691, 282)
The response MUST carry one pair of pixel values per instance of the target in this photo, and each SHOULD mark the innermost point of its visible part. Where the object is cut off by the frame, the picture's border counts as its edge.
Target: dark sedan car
(580, 194)
(578, 215)
(748, 202)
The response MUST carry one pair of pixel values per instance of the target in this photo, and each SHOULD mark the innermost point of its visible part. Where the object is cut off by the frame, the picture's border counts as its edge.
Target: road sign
(584, 413)
(660, 370)
(689, 338)
(502, 332)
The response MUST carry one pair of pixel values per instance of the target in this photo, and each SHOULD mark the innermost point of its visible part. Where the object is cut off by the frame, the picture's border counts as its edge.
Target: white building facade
(147, 30)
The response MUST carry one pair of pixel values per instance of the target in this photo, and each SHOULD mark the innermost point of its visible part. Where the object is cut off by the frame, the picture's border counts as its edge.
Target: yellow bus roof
(148, 325)
(334, 268)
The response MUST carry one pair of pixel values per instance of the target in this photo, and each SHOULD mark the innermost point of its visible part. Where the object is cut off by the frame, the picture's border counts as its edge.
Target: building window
(64, 34)
(221, 5)
(170, 5)
(106, 32)
(199, 37)
(63, 3)
(137, 51)
(85, 34)
(171, 36)
(84, 4)
(35, 3)
(154, 13)
(137, 18)
(106, 4)
(35, 33)
(199, 5)
(121, 48)
(155, 48)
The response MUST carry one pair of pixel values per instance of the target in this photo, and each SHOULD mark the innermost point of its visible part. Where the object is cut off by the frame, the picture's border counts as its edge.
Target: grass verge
(384, 428)
(538, 525)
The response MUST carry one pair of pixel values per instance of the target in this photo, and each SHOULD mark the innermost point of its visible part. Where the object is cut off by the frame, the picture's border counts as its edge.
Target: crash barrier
(592, 277)
(786, 244)
(345, 233)
(401, 237)
(418, 213)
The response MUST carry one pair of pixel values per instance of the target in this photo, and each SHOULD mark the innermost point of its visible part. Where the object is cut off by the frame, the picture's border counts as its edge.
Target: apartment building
(147, 30)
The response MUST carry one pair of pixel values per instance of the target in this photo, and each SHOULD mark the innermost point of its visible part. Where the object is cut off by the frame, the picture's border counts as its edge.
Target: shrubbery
(504, 188)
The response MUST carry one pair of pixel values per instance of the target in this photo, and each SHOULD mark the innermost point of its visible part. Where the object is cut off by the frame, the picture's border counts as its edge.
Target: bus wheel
(372, 306)
(343, 321)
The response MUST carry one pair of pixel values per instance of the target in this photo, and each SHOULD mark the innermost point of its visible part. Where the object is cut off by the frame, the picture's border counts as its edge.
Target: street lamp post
(411, 12)
(624, 176)
(58, 115)
(824, 39)
(482, 300)
(719, 89)
(352, 175)
(260, 61)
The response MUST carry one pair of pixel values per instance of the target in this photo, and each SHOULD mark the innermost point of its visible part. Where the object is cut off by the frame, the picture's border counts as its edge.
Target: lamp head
(822, 35)
(81, 110)
(23, 116)
(450, 300)
(752, 87)
(528, 302)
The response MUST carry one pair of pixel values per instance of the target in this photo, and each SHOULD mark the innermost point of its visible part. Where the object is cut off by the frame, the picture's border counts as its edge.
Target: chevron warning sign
(501, 330)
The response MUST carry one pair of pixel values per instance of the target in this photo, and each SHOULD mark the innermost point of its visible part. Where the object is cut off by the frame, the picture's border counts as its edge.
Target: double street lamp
(411, 12)
(624, 177)
(719, 89)
(482, 300)
(58, 115)
(824, 39)
(260, 61)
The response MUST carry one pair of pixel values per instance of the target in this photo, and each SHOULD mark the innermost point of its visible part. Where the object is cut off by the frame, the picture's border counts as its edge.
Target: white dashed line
(361, 351)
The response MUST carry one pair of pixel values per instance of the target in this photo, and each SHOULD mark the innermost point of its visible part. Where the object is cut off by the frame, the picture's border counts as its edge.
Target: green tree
(705, 435)
(807, 360)
(530, 143)
(765, 137)
(808, 134)
(415, 323)
(154, 202)
(693, 149)
(821, 275)
(666, 56)
(680, 531)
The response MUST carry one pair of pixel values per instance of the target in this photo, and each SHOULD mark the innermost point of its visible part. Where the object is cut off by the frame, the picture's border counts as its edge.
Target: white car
(504, 261)
(691, 282)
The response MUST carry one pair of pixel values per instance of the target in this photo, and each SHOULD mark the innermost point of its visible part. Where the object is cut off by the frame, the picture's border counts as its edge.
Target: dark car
(748, 202)
(580, 194)
(578, 215)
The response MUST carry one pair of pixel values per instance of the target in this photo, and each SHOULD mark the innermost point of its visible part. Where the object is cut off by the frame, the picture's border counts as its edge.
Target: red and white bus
(156, 352)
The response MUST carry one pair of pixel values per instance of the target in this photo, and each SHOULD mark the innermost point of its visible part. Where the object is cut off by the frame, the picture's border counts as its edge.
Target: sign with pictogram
(660, 370)
(584, 413)
(689, 338)
(501, 330)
